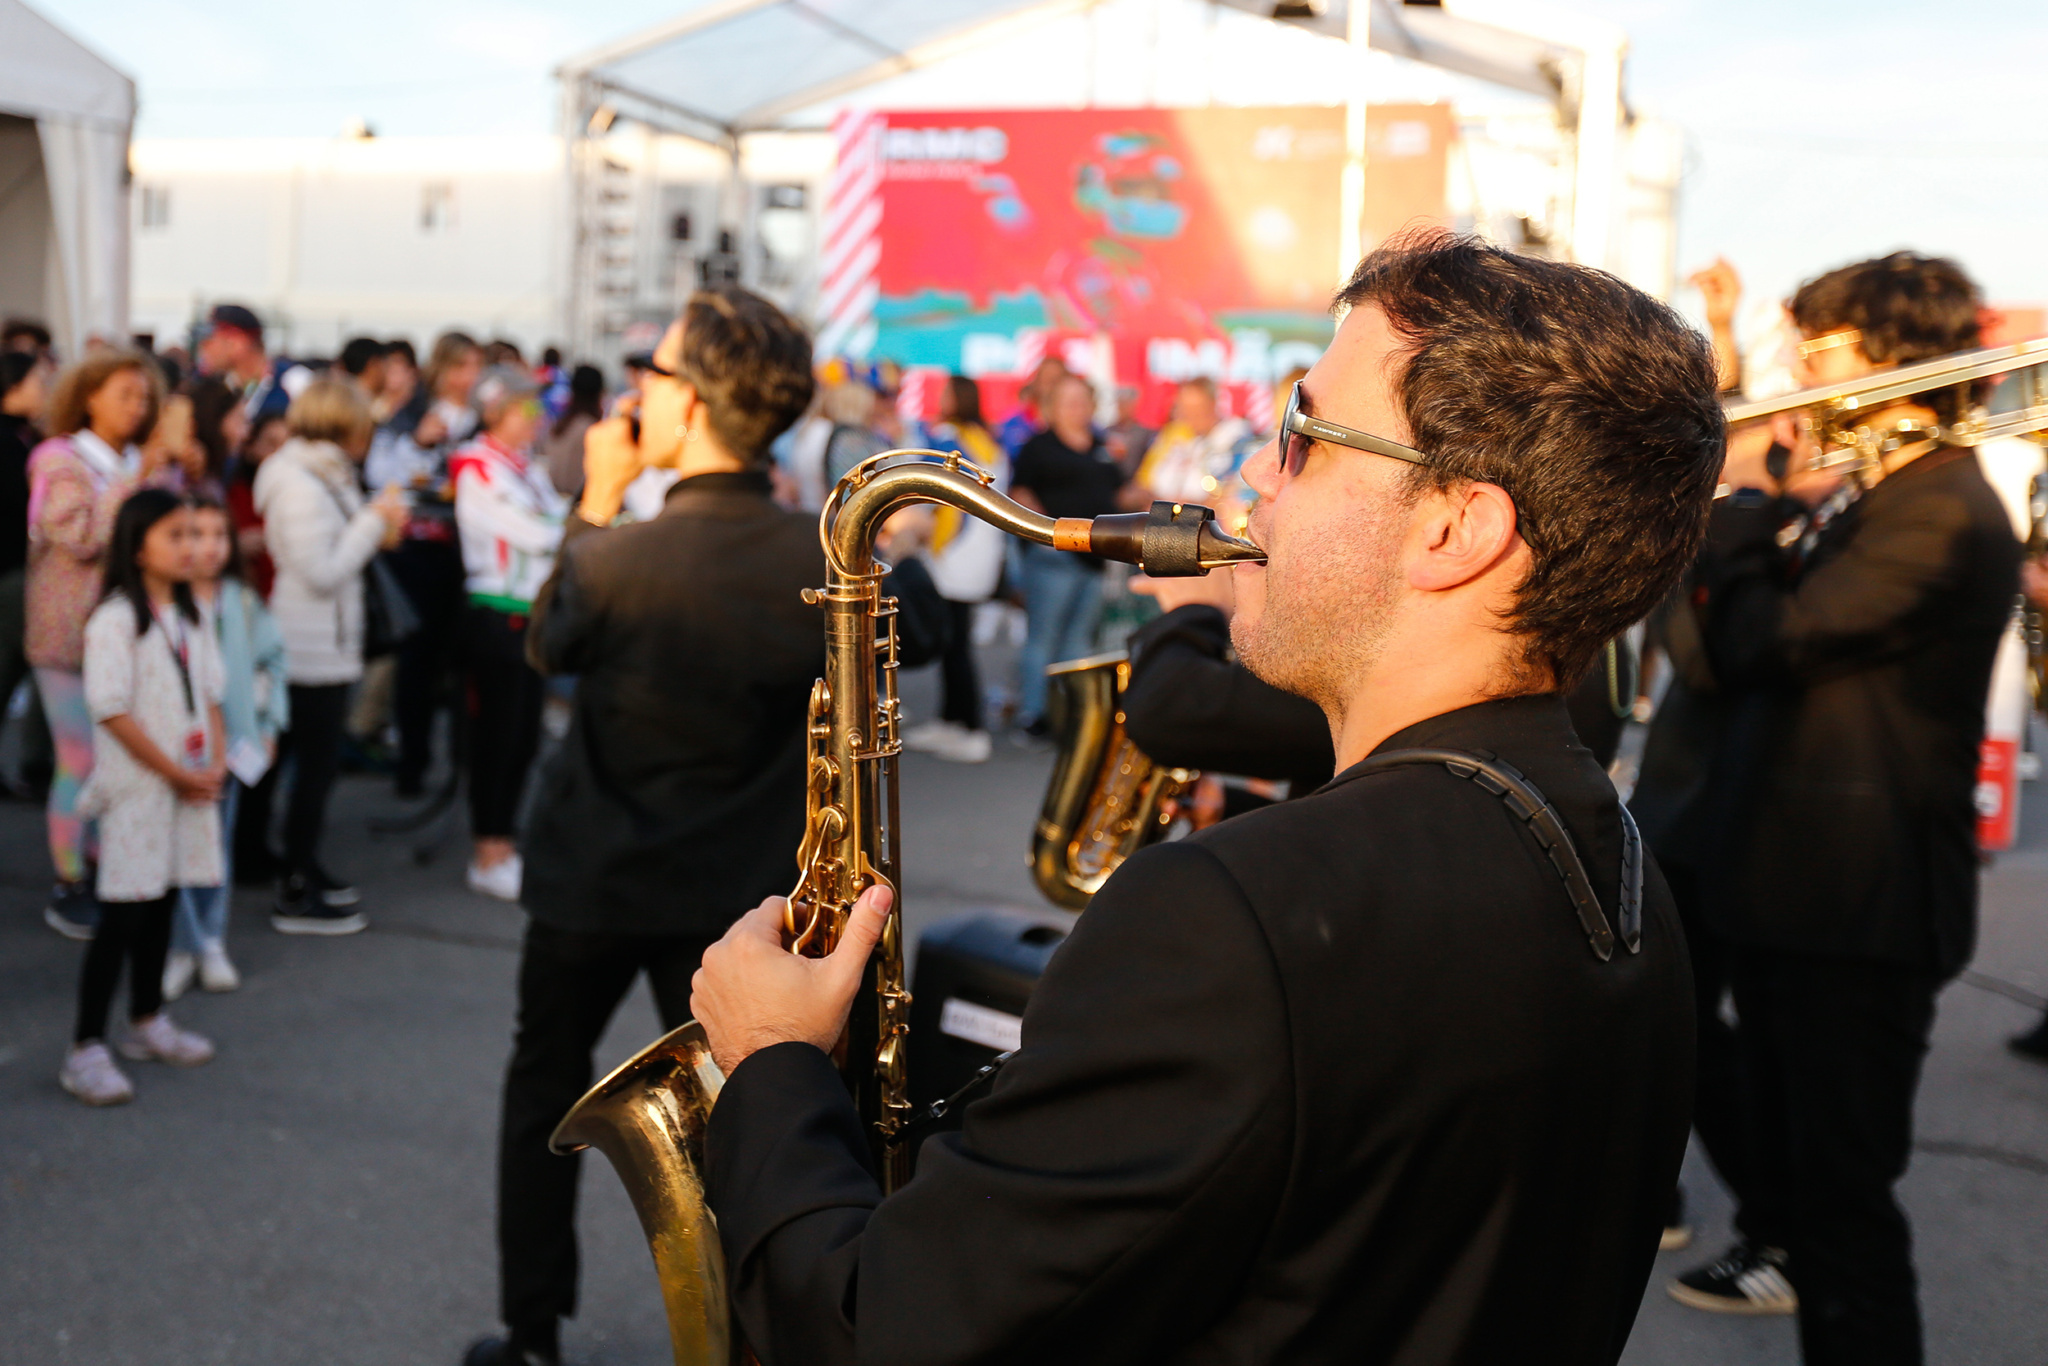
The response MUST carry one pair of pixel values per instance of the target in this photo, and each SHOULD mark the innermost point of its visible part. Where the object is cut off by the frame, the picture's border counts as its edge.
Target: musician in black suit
(1846, 861)
(678, 792)
(1191, 703)
(1347, 1078)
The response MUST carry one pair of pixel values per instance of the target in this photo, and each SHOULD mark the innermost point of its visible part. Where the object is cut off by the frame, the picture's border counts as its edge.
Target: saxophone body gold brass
(1107, 799)
(649, 1116)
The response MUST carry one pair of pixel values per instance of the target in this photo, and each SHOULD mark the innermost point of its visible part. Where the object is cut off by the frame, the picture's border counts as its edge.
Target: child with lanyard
(257, 710)
(153, 685)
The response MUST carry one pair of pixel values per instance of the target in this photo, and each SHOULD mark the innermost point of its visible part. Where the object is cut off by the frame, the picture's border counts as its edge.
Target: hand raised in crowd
(611, 461)
(432, 431)
(1209, 590)
(1720, 291)
(173, 442)
(391, 505)
(1720, 288)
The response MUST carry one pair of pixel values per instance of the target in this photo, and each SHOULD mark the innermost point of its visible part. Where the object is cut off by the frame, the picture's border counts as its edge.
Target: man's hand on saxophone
(752, 993)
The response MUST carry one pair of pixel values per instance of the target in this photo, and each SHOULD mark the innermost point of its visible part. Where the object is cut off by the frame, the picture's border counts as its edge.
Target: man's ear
(1465, 531)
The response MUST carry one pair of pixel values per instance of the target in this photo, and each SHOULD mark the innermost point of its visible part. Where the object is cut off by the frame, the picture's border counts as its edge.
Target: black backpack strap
(1504, 781)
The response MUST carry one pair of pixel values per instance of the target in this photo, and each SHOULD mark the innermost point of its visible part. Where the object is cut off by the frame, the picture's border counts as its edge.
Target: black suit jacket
(676, 801)
(1336, 1081)
(1190, 705)
(1847, 821)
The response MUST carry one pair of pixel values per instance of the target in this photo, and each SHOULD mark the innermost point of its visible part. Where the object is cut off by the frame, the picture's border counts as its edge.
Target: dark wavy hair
(143, 510)
(1907, 307)
(750, 364)
(1588, 402)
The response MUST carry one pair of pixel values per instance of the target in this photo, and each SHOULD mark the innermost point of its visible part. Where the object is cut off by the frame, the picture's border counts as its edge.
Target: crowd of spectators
(367, 536)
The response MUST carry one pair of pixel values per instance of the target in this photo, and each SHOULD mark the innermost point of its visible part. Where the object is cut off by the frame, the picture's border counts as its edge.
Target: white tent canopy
(727, 67)
(723, 68)
(65, 119)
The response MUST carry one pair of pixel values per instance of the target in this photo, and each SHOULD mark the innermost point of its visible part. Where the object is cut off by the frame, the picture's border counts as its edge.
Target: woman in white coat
(321, 533)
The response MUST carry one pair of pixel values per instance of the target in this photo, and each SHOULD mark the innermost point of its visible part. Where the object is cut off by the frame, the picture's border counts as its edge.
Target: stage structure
(797, 211)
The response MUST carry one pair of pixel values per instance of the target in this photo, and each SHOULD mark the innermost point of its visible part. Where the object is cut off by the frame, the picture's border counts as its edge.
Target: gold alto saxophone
(649, 1116)
(1106, 799)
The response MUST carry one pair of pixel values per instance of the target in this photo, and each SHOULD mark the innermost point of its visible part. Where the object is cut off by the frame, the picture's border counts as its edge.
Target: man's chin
(1247, 640)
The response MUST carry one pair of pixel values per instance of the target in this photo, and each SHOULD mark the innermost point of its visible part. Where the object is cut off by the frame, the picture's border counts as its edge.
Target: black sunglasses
(1299, 429)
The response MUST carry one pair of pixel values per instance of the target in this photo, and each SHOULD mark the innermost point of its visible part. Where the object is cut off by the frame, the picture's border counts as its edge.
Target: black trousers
(959, 682)
(36, 752)
(431, 574)
(1833, 1048)
(505, 697)
(569, 985)
(137, 933)
(1723, 1105)
(319, 712)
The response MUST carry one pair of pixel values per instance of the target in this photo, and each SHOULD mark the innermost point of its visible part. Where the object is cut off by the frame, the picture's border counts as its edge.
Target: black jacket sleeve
(1101, 1204)
(562, 628)
(1188, 706)
(1864, 604)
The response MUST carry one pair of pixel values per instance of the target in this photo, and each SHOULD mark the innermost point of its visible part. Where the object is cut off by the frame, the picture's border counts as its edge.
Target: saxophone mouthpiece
(1172, 541)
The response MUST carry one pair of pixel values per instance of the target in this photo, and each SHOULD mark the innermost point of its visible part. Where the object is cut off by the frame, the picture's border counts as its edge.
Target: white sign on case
(995, 1029)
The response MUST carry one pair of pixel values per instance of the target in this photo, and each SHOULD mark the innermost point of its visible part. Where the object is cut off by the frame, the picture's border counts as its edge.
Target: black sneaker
(299, 910)
(73, 911)
(497, 1351)
(1749, 1279)
(2032, 1044)
(333, 891)
(1677, 1235)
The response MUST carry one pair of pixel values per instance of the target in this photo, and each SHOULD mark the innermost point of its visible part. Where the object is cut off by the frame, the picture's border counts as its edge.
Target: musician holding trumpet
(1397, 1070)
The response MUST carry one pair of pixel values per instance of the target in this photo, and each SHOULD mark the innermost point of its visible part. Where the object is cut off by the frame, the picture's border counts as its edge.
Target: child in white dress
(153, 684)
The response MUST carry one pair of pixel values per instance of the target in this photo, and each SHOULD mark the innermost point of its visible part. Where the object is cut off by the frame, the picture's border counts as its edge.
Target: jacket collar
(322, 459)
(753, 482)
(1503, 725)
(104, 460)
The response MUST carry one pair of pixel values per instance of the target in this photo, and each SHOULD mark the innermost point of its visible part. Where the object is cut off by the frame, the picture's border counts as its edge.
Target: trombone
(1846, 438)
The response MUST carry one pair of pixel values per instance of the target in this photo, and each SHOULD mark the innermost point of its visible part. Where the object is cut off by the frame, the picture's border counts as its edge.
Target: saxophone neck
(1172, 540)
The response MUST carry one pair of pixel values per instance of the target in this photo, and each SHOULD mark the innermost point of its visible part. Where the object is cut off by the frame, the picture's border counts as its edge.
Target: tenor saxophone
(1106, 798)
(649, 1115)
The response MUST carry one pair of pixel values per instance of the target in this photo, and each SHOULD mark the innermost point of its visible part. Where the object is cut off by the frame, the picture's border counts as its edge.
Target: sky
(1817, 131)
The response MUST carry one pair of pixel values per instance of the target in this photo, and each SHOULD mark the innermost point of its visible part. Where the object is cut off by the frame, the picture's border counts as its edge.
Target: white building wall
(328, 238)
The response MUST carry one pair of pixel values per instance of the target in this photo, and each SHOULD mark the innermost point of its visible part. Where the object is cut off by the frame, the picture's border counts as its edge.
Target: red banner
(1142, 246)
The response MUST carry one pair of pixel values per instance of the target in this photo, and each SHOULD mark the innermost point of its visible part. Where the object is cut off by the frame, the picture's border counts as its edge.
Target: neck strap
(1530, 807)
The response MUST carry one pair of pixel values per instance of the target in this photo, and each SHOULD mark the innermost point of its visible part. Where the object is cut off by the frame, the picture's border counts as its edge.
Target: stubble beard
(1326, 616)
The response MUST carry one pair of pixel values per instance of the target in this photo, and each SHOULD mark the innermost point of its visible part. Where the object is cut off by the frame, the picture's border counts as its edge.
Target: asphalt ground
(322, 1192)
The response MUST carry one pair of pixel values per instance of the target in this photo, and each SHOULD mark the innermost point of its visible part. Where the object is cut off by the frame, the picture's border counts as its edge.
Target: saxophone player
(1345, 1078)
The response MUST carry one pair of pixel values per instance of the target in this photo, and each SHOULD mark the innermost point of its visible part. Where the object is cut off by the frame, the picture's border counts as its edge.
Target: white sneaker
(178, 971)
(500, 880)
(216, 972)
(933, 736)
(156, 1039)
(91, 1074)
(965, 746)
